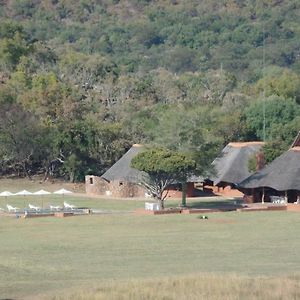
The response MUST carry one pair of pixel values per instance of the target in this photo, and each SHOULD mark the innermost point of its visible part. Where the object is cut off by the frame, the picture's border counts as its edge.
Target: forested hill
(80, 81)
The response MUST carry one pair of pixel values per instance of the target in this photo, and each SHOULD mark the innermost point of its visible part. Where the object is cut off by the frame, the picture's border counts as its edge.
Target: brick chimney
(260, 160)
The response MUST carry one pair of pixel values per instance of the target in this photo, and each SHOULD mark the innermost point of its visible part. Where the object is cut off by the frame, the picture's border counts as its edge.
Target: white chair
(11, 208)
(55, 208)
(69, 206)
(36, 208)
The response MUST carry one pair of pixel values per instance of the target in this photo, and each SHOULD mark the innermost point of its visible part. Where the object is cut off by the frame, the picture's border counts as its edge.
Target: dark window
(91, 180)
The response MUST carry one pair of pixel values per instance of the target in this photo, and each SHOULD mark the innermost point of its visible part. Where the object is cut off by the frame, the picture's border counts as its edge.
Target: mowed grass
(129, 256)
(48, 256)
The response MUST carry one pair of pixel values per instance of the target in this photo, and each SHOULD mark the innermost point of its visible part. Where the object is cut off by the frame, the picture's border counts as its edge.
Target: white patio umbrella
(41, 192)
(6, 194)
(62, 192)
(23, 193)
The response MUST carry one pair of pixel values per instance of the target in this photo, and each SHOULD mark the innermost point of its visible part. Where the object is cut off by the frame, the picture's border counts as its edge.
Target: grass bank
(193, 287)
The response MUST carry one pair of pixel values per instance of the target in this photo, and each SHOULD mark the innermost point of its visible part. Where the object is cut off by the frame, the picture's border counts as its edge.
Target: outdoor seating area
(33, 210)
(278, 199)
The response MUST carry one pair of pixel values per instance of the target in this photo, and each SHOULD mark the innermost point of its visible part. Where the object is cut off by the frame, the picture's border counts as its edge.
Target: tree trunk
(26, 171)
(72, 176)
(161, 199)
(184, 188)
(162, 203)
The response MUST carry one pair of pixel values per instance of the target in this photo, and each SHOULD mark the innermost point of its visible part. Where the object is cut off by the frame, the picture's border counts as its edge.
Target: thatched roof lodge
(231, 166)
(282, 176)
(122, 181)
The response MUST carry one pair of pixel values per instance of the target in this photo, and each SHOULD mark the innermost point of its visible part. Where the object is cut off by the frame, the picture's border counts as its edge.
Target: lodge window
(91, 180)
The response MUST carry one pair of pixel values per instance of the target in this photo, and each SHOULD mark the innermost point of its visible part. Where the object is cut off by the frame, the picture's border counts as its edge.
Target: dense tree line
(80, 81)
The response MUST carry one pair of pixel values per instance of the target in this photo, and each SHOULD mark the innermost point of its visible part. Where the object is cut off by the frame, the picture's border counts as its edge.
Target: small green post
(184, 188)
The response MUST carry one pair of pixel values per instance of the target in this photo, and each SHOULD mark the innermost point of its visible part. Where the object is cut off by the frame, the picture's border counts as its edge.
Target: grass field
(127, 256)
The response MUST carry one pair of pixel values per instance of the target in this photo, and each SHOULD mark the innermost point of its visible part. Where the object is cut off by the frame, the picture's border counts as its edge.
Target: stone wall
(95, 185)
(121, 189)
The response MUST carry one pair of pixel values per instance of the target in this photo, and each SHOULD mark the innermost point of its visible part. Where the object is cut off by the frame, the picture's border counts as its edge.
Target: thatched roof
(231, 166)
(282, 174)
(122, 170)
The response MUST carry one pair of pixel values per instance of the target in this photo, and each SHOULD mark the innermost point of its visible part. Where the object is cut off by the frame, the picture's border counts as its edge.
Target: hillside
(80, 81)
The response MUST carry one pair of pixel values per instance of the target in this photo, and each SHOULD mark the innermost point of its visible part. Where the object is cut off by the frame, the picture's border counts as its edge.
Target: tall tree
(162, 168)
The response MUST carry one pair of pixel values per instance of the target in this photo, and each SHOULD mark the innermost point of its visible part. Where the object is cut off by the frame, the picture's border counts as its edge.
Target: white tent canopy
(41, 192)
(62, 192)
(23, 193)
(6, 194)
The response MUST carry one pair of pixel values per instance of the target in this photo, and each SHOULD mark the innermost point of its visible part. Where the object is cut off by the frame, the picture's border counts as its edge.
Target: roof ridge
(245, 144)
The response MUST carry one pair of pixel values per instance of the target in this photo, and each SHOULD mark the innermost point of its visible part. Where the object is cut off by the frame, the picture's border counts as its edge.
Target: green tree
(278, 112)
(281, 82)
(21, 139)
(12, 49)
(162, 167)
(273, 149)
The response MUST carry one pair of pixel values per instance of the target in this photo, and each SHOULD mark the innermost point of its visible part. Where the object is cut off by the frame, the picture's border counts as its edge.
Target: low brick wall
(26, 216)
(63, 214)
(263, 208)
(277, 207)
(199, 211)
(158, 212)
(293, 207)
(249, 209)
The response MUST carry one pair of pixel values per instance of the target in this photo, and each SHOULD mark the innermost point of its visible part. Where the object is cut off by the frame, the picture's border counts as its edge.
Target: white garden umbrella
(41, 192)
(62, 192)
(23, 193)
(6, 194)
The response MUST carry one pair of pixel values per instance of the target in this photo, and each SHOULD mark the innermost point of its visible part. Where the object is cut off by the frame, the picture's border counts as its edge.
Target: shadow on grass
(216, 204)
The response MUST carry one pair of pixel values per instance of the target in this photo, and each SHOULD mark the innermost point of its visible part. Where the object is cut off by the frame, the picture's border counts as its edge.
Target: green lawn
(48, 255)
(128, 254)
